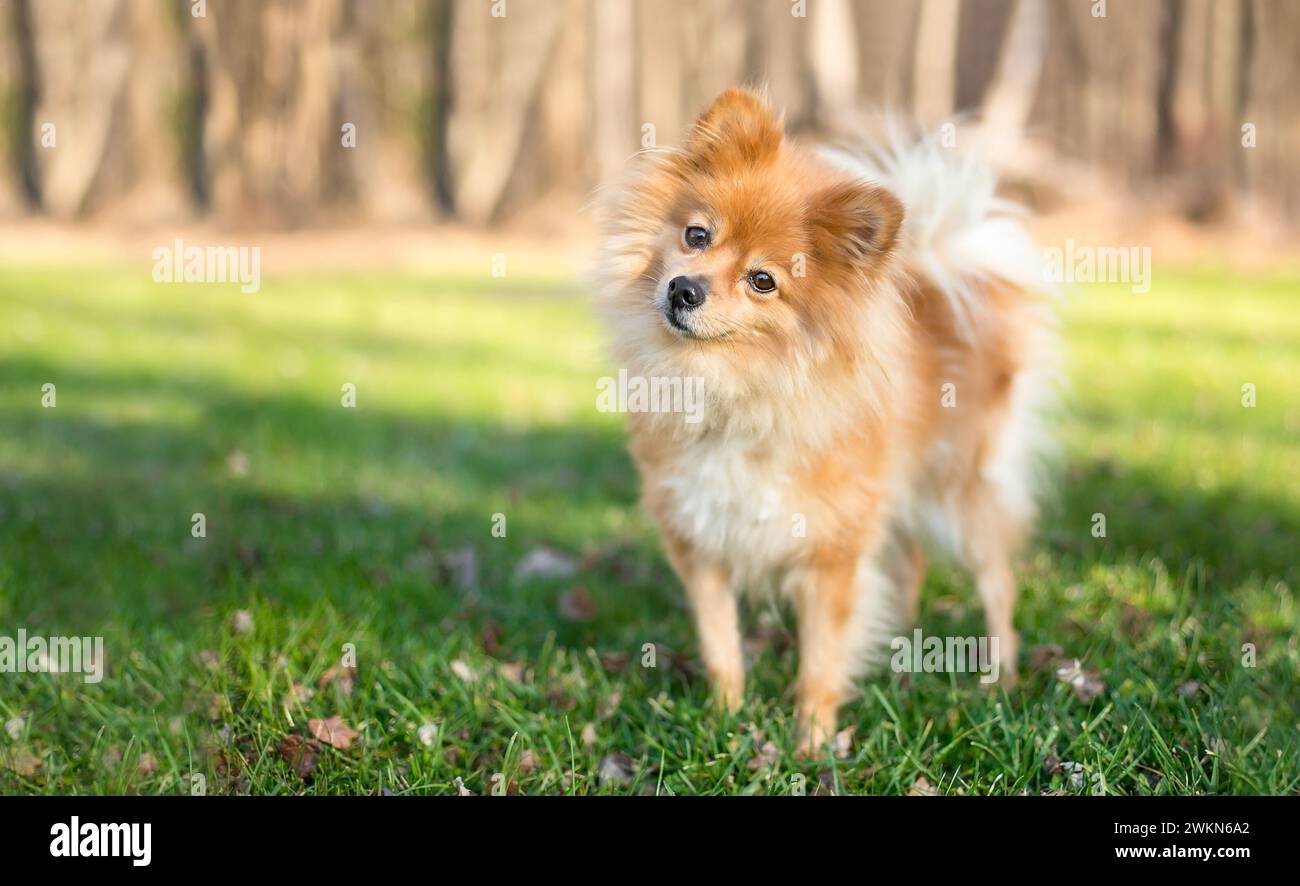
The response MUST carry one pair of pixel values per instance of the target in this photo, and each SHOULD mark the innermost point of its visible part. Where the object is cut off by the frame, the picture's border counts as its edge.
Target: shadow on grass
(105, 530)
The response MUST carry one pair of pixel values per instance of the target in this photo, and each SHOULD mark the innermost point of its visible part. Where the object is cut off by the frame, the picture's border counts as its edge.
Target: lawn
(368, 531)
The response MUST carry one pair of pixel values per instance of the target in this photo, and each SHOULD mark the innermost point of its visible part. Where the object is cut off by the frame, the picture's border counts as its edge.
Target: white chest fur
(731, 499)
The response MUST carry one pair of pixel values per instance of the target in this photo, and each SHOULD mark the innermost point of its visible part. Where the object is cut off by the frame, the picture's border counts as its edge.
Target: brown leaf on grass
(237, 463)
(21, 761)
(1085, 684)
(1044, 657)
(333, 732)
(297, 694)
(923, 788)
(544, 563)
(146, 765)
(1051, 764)
(341, 676)
(614, 662)
(528, 761)
(512, 671)
(300, 753)
(209, 659)
(610, 705)
(825, 784)
(490, 637)
(560, 700)
(616, 769)
(766, 756)
(588, 737)
(463, 671)
(577, 605)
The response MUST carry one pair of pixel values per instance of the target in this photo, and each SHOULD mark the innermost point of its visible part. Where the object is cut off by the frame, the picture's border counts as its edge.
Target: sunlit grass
(475, 396)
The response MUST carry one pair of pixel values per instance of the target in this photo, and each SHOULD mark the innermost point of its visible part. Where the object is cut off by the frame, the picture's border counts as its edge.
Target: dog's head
(744, 247)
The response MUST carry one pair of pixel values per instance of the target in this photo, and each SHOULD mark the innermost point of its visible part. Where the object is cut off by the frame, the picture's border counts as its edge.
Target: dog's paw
(728, 692)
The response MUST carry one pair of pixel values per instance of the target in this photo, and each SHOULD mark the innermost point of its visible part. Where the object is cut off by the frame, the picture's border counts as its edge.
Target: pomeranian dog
(874, 352)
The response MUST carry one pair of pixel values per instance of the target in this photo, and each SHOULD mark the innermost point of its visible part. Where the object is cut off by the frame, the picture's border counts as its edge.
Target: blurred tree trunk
(19, 79)
(498, 66)
(613, 85)
(886, 33)
(1273, 108)
(934, 84)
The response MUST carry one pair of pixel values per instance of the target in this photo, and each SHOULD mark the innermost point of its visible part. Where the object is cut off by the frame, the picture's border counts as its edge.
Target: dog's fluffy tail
(957, 233)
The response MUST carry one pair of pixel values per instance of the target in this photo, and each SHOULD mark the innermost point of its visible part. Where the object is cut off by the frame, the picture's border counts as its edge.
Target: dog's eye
(696, 237)
(762, 281)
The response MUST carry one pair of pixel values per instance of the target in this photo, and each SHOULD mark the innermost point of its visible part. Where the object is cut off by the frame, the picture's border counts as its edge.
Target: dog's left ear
(856, 221)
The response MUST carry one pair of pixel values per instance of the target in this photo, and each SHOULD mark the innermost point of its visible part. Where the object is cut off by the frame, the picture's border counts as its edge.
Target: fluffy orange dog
(873, 355)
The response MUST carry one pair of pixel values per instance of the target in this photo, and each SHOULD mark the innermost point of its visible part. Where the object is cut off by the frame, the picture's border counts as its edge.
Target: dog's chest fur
(731, 499)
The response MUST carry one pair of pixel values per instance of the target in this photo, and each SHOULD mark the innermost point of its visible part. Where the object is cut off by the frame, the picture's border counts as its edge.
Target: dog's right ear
(738, 128)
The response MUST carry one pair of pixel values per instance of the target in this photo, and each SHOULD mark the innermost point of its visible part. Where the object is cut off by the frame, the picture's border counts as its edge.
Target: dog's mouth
(671, 316)
(674, 323)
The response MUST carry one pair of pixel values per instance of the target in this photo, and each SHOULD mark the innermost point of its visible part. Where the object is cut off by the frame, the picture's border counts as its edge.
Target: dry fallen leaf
(209, 659)
(237, 463)
(341, 676)
(923, 788)
(766, 756)
(577, 605)
(333, 731)
(22, 761)
(298, 694)
(544, 563)
(528, 761)
(616, 769)
(146, 765)
(610, 705)
(588, 736)
(1085, 684)
(241, 622)
(1043, 657)
(462, 670)
(512, 671)
(301, 753)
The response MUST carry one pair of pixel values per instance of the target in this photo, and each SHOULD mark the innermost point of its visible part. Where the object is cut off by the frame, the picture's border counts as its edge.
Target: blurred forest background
(478, 110)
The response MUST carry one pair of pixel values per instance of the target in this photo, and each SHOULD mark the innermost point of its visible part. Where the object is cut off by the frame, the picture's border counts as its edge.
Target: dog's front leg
(826, 603)
(717, 624)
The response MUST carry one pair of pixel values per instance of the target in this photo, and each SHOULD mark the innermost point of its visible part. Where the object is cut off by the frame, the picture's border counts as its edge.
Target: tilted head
(744, 253)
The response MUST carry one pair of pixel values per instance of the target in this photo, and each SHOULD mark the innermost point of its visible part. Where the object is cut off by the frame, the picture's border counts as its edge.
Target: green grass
(332, 526)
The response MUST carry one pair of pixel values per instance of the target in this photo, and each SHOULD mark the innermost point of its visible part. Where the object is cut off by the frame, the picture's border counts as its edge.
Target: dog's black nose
(685, 292)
